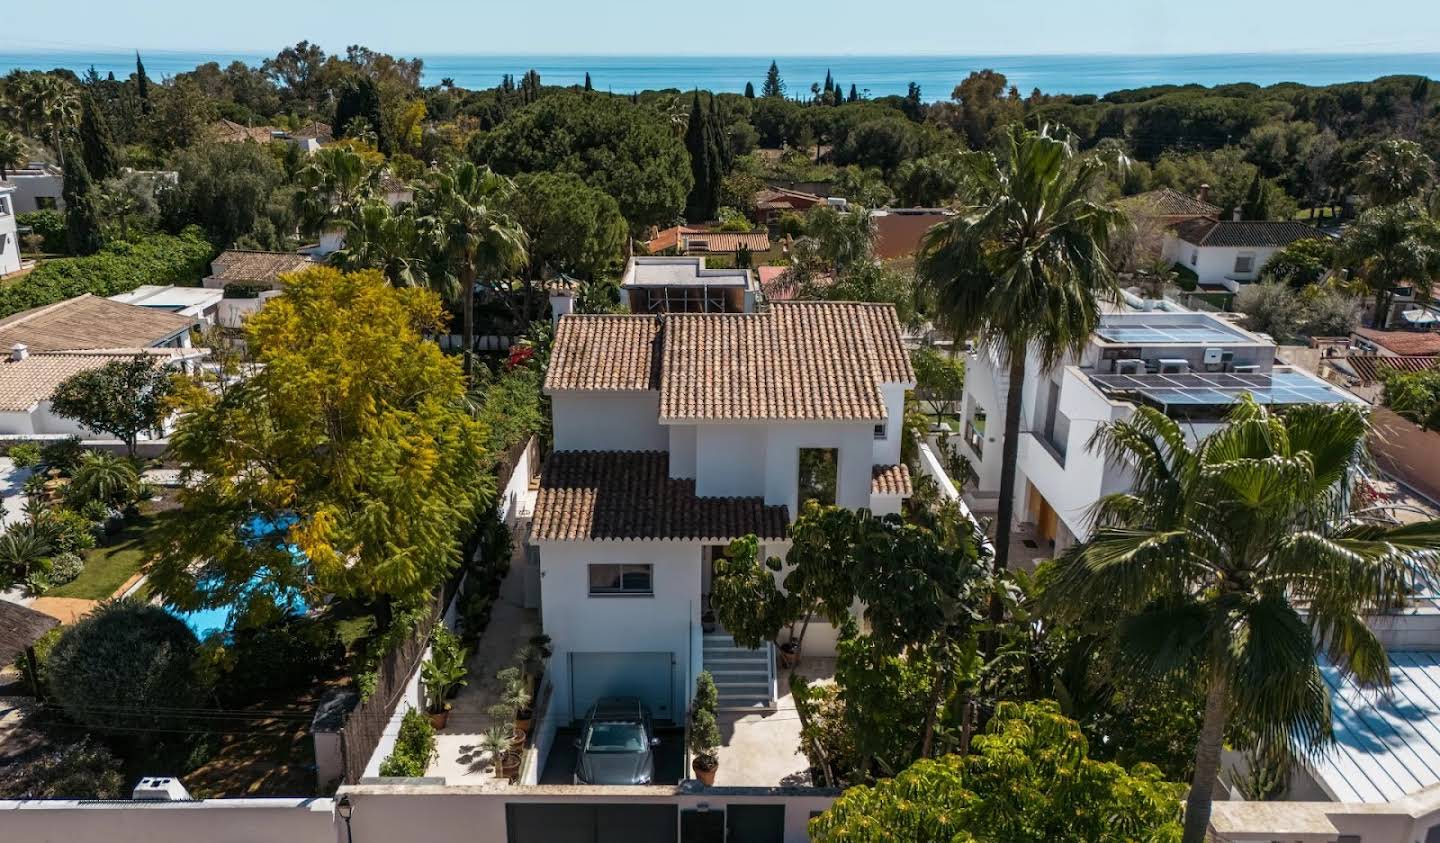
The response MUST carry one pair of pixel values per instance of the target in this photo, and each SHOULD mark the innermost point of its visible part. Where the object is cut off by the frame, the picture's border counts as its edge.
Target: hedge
(50, 225)
(118, 268)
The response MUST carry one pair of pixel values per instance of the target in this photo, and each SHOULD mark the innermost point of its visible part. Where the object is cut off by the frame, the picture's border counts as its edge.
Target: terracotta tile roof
(605, 353)
(778, 198)
(1245, 233)
(689, 238)
(242, 266)
(314, 129)
(1169, 203)
(1372, 368)
(228, 131)
(620, 495)
(24, 383)
(775, 291)
(1403, 343)
(89, 322)
(21, 626)
(797, 361)
(891, 480)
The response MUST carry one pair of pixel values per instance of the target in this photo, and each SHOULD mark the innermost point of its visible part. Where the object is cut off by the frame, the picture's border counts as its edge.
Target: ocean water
(877, 75)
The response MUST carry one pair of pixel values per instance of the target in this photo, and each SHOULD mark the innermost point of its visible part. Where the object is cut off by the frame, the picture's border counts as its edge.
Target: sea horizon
(873, 75)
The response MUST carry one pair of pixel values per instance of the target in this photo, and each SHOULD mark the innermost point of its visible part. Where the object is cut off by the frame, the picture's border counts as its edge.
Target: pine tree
(854, 94)
(588, 86)
(96, 143)
(749, 91)
(774, 86)
(1256, 205)
(82, 220)
(705, 165)
(142, 83)
(912, 106)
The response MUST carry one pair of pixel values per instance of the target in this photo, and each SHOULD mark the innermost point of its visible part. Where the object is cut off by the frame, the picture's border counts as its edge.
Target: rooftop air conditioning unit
(1212, 355)
(1174, 367)
(1129, 367)
(160, 789)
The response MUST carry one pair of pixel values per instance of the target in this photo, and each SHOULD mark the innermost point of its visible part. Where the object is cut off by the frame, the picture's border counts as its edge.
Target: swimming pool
(220, 619)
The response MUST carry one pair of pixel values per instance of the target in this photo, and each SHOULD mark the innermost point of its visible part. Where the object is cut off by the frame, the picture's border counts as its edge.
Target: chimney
(1204, 193)
(562, 301)
(19, 351)
(1236, 216)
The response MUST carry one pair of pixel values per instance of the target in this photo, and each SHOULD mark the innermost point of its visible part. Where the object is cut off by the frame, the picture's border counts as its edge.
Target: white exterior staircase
(744, 679)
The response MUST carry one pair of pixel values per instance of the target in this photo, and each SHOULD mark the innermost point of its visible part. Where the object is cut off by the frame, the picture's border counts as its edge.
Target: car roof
(615, 707)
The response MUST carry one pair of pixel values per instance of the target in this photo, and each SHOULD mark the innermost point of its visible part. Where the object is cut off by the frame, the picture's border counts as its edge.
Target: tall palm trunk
(1207, 763)
(467, 319)
(1009, 458)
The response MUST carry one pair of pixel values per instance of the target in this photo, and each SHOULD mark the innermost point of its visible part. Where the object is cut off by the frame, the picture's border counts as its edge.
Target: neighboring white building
(1230, 253)
(9, 235)
(1191, 365)
(675, 435)
(248, 279)
(38, 187)
(686, 285)
(199, 303)
(47, 345)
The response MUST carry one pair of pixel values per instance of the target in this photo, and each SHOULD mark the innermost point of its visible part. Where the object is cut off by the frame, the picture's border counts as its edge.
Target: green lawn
(108, 567)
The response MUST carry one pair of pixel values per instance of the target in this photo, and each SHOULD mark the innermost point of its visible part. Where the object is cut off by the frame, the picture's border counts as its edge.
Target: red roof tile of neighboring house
(1372, 368)
(890, 480)
(690, 238)
(779, 198)
(898, 231)
(1169, 203)
(1403, 343)
(87, 322)
(630, 495)
(228, 131)
(1244, 233)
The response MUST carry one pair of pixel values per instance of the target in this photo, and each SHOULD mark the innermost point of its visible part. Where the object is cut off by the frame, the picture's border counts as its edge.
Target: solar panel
(1217, 389)
(1156, 334)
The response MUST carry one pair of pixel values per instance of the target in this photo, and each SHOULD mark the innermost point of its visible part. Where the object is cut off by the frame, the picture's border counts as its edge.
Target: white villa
(675, 435)
(9, 233)
(1192, 366)
(686, 285)
(1230, 253)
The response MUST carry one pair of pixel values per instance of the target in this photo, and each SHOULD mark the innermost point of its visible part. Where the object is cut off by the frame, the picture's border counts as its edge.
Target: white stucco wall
(1215, 264)
(9, 235)
(30, 187)
(887, 450)
(608, 422)
(782, 461)
(729, 460)
(579, 623)
(682, 450)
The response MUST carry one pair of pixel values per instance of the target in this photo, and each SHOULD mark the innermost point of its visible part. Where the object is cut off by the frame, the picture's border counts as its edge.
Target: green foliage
(574, 229)
(123, 398)
(1394, 171)
(1414, 395)
(82, 215)
(626, 150)
(886, 698)
(930, 181)
(104, 478)
(63, 455)
(1392, 246)
(356, 425)
(25, 454)
(707, 164)
(414, 747)
(1302, 262)
(511, 409)
(97, 147)
(445, 670)
(1027, 778)
(23, 554)
(119, 268)
(49, 225)
(122, 665)
(704, 729)
(64, 530)
(81, 770)
(225, 188)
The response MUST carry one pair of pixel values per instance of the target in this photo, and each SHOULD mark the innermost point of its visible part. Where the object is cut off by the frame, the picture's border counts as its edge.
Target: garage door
(562, 823)
(649, 676)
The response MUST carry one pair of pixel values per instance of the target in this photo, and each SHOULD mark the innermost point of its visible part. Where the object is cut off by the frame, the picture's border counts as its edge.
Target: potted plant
(442, 674)
(516, 697)
(704, 730)
(496, 742)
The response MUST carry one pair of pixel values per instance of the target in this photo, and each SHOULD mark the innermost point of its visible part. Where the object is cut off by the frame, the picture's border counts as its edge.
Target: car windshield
(615, 737)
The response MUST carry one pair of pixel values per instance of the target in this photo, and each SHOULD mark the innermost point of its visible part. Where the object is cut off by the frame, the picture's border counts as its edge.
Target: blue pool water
(204, 622)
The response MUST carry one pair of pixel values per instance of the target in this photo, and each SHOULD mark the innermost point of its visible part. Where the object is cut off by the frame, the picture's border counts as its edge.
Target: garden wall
(214, 821)
(1406, 452)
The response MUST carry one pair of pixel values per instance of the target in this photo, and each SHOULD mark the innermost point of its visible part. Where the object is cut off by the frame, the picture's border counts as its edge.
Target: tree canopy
(123, 398)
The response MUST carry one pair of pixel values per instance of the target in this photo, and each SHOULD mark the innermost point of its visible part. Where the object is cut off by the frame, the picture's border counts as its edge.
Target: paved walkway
(763, 749)
(12, 511)
(511, 627)
(66, 609)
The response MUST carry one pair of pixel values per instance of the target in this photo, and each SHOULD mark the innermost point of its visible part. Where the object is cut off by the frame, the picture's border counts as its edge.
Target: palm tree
(22, 549)
(55, 104)
(377, 237)
(1392, 246)
(1394, 171)
(104, 477)
(12, 152)
(465, 221)
(1236, 560)
(1023, 270)
(333, 183)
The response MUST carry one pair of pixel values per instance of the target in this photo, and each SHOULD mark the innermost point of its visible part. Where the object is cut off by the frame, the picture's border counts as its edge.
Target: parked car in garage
(616, 743)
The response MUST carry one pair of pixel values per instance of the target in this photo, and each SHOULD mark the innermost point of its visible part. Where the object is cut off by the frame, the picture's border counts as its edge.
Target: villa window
(45, 203)
(1244, 264)
(819, 473)
(879, 431)
(622, 580)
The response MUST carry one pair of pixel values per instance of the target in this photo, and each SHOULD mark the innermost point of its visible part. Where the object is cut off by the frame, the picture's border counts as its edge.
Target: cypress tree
(854, 94)
(774, 86)
(82, 220)
(749, 91)
(829, 81)
(361, 99)
(1256, 205)
(837, 95)
(722, 140)
(705, 165)
(142, 83)
(97, 145)
(588, 86)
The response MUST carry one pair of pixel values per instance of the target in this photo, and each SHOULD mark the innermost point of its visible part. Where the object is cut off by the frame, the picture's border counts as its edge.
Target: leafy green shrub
(414, 747)
(42, 647)
(25, 455)
(704, 729)
(118, 268)
(81, 770)
(65, 530)
(289, 654)
(64, 568)
(121, 664)
(50, 225)
(104, 477)
(63, 454)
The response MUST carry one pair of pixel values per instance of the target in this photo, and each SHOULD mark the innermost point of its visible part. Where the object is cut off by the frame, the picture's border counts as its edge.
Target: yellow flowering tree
(1029, 777)
(348, 465)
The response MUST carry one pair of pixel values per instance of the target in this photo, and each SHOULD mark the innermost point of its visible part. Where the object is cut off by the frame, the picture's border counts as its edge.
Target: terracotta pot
(510, 763)
(789, 655)
(706, 777)
(439, 719)
(522, 725)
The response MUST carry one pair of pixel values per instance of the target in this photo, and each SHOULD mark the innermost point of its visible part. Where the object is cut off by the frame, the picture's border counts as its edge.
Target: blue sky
(743, 27)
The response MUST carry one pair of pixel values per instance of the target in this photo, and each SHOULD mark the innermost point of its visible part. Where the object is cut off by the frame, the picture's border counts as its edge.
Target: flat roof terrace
(1283, 386)
(681, 271)
(1171, 329)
